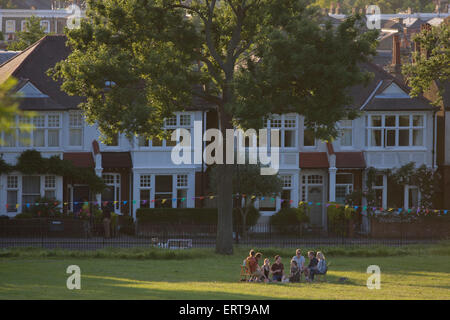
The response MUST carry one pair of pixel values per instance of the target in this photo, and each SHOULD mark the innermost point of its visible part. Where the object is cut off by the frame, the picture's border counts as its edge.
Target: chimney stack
(396, 67)
(396, 58)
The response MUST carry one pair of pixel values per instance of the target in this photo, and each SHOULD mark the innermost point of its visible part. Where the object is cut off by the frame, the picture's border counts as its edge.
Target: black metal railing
(81, 234)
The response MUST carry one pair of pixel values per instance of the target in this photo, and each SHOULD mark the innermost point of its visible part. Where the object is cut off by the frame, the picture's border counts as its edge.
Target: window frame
(13, 26)
(282, 120)
(169, 127)
(349, 187)
(76, 126)
(343, 127)
(30, 135)
(384, 129)
(41, 23)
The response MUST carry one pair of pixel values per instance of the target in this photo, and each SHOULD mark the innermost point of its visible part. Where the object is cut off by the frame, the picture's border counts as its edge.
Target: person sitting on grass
(253, 267)
(277, 269)
(295, 272)
(321, 265)
(300, 260)
(311, 266)
(251, 256)
(257, 273)
(265, 271)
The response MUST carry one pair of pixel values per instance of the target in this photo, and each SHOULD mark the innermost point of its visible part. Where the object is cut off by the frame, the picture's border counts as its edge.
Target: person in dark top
(295, 272)
(311, 266)
(266, 271)
(277, 269)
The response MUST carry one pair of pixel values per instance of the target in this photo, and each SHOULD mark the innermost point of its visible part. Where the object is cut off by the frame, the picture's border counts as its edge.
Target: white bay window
(389, 131)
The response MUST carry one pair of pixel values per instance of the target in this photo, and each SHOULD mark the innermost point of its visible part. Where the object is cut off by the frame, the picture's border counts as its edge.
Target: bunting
(253, 197)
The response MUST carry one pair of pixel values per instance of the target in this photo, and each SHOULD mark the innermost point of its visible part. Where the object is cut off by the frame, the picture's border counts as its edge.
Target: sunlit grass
(216, 277)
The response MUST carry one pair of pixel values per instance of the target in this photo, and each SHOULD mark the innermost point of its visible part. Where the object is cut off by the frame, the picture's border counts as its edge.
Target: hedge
(191, 216)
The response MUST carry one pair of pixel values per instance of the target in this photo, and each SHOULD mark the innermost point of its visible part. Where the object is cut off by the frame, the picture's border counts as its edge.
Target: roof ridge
(34, 47)
(22, 52)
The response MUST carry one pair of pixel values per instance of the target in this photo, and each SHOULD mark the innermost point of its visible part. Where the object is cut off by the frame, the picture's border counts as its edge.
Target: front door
(80, 195)
(315, 196)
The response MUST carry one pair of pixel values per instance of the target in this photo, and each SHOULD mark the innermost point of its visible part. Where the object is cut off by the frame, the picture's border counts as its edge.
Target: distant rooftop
(46, 4)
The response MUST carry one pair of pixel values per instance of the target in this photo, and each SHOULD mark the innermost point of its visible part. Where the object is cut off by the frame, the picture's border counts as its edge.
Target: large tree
(32, 33)
(431, 63)
(256, 57)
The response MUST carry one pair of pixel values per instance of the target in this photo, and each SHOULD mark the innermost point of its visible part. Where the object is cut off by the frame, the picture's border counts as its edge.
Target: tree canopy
(138, 61)
(431, 64)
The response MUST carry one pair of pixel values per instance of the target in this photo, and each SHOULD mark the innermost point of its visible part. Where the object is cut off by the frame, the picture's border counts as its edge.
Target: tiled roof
(32, 64)
(80, 159)
(313, 160)
(365, 95)
(116, 160)
(350, 160)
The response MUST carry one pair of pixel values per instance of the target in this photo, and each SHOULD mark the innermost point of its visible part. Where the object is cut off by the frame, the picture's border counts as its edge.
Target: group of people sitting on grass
(275, 272)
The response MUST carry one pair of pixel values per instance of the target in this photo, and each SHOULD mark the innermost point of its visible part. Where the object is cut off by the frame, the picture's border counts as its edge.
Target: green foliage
(432, 63)
(290, 220)
(426, 179)
(339, 218)
(126, 225)
(297, 55)
(31, 162)
(251, 218)
(172, 58)
(247, 180)
(46, 208)
(5, 167)
(9, 108)
(7, 4)
(33, 33)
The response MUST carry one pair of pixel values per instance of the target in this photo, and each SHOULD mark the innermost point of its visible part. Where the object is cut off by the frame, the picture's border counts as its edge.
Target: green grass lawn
(35, 276)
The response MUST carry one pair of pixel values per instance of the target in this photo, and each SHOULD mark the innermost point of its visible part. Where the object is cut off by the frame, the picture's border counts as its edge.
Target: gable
(393, 91)
(30, 91)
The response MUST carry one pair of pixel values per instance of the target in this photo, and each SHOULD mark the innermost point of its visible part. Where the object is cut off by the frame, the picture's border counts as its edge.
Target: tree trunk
(224, 243)
(244, 222)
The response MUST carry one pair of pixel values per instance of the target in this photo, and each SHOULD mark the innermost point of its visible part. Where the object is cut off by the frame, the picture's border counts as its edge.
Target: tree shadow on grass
(170, 290)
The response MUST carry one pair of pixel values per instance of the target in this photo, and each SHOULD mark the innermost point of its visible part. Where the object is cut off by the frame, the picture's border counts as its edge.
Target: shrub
(45, 208)
(126, 225)
(289, 220)
(338, 218)
(251, 219)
